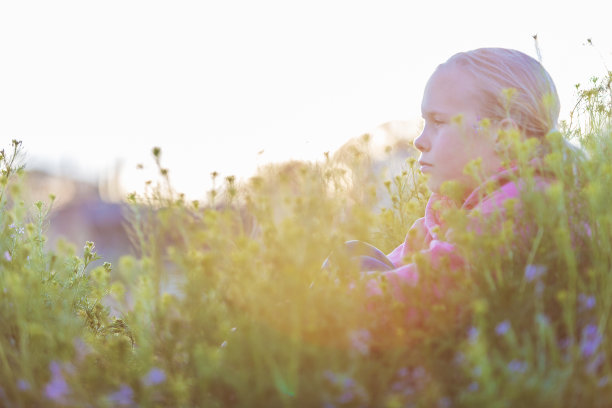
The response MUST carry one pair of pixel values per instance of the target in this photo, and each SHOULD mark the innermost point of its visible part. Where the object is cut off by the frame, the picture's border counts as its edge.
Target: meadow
(227, 305)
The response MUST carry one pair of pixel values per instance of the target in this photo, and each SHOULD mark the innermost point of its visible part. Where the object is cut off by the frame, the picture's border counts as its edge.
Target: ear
(502, 129)
(507, 124)
(504, 126)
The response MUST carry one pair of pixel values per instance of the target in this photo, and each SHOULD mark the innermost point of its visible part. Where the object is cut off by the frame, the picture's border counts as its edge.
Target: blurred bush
(226, 304)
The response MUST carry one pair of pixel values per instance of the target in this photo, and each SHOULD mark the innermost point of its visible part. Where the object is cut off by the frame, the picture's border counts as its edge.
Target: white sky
(85, 84)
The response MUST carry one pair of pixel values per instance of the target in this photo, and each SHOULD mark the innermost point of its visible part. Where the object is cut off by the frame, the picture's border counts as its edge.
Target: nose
(421, 142)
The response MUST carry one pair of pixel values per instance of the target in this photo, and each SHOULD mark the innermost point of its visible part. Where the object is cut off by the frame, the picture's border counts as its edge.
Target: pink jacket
(424, 238)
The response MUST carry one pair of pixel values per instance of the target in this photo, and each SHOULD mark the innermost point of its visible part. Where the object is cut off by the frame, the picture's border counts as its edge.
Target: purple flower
(360, 340)
(542, 319)
(591, 339)
(154, 376)
(603, 381)
(517, 366)
(473, 334)
(587, 302)
(473, 387)
(445, 402)
(419, 372)
(124, 396)
(534, 271)
(19, 230)
(398, 386)
(23, 385)
(349, 383)
(502, 328)
(407, 390)
(81, 348)
(594, 363)
(8, 256)
(564, 344)
(402, 372)
(57, 388)
(459, 358)
(331, 377)
(346, 397)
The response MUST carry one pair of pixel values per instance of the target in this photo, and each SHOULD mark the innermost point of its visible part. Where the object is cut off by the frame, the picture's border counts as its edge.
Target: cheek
(455, 156)
(455, 147)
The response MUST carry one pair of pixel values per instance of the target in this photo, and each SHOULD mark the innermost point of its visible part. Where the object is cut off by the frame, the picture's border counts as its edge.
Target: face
(451, 137)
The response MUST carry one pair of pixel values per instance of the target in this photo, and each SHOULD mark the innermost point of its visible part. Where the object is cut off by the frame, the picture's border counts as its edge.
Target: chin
(433, 187)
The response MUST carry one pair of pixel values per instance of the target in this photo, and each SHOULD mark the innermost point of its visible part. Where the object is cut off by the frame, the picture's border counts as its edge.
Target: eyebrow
(429, 114)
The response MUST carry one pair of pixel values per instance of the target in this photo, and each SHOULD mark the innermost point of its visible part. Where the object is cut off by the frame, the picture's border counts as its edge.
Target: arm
(414, 241)
(408, 275)
(439, 250)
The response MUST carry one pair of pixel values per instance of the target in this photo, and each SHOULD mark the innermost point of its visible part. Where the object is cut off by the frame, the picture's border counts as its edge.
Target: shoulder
(511, 190)
(415, 240)
(419, 226)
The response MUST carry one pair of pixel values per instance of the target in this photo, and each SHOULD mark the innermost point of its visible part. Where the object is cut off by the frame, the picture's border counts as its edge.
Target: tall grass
(227, 305)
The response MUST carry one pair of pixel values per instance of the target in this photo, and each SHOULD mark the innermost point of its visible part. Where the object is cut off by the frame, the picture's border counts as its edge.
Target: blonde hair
(513, 86)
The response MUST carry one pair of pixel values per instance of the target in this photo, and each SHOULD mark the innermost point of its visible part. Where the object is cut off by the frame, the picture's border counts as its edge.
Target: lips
(424, 166)
(424, 163)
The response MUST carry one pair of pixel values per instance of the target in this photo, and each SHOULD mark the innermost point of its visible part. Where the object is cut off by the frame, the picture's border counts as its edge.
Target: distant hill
(79, 214)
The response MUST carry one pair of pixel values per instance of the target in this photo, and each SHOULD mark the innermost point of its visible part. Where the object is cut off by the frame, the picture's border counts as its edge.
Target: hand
(399, 278)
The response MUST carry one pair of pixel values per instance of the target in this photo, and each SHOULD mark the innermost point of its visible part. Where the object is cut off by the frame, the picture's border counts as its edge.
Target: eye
(434, 120)
(437, 122)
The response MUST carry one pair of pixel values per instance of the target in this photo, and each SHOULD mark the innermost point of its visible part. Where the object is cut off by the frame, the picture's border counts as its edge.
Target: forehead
(451, 90)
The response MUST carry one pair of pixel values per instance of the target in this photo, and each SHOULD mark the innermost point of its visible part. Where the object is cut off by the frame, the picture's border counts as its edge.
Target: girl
(469, 101)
